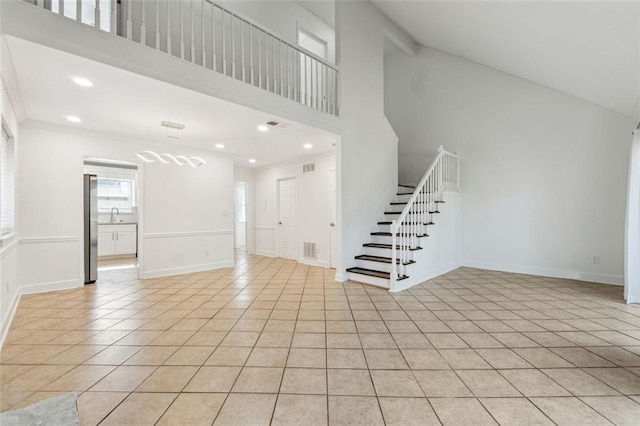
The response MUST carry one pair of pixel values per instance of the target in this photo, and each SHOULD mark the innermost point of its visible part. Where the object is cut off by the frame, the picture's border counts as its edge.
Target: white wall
(8, 248)
(442, 250)
(284, 18)
(367, 154)
(186, 214)
(313, 206)
(543, 173)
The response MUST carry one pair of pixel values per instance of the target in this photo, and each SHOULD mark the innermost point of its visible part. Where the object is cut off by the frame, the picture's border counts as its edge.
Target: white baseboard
(405, 284)
(52, 286)
(548, 272)
(320, 263)
(341, 277)
(265, 253)
(31, 289)
(8, 318)
(632, 299)
(187, 269)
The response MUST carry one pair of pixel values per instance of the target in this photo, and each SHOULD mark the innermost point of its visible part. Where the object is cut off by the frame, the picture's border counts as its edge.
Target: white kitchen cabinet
(117, 240)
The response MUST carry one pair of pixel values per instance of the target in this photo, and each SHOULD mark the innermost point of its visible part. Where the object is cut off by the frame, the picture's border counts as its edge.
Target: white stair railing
(443, 175)
(209, 35)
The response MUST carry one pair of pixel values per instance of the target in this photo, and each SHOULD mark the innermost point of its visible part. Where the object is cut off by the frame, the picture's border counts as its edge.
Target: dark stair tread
(398, 203)
(430, 212)
(372, 273)
(387, 222)
(407, 186)
(404, 193)
(388, 234)
(382, 259)
(388, 246)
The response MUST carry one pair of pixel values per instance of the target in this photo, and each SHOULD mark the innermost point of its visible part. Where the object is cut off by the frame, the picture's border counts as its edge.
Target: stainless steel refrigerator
(90, 228)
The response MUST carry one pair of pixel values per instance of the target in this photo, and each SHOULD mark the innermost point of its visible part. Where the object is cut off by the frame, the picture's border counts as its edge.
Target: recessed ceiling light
(81, 81)
(252, 160)
(263, 128)
(73, 119)
(219, 146)
(308, 146)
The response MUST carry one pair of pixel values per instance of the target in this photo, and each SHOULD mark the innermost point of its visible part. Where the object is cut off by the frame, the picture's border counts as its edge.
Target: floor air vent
(308, 167)
(310, 250)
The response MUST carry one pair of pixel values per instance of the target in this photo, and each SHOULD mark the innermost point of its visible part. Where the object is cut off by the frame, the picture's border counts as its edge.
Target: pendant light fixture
(173, 132)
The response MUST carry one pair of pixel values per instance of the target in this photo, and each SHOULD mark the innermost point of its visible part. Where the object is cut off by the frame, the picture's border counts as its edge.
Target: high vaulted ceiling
(588, 49)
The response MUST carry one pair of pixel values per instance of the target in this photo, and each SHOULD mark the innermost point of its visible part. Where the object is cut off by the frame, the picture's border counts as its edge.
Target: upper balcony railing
(216, 38)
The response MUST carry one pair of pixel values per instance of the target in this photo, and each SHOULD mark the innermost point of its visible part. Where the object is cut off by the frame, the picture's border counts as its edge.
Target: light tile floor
(271, 341)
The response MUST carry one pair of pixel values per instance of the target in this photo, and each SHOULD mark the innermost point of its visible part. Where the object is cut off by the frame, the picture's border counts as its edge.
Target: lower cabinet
(117, 240)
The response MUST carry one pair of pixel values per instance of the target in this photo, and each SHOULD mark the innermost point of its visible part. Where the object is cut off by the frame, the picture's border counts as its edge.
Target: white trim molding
(8, 248)
(548, 272)
(40, 240)
(158, 273)
(188, 234)
(31, 289)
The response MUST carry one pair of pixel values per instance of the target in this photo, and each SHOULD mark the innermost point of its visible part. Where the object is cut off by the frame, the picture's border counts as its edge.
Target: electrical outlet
(206, 253)
(7, 287)
(596, 260)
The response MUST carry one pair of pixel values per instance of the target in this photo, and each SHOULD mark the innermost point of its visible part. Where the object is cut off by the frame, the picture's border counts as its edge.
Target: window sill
(7, 239)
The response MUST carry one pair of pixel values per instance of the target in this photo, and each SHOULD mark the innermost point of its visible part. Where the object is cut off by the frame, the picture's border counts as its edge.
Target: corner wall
(9, 293)
(367, 152)
(543, 174)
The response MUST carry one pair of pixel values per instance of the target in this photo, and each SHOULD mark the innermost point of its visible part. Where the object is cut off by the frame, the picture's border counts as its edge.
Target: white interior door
(288, 218)
(241, 215)
(333, 219)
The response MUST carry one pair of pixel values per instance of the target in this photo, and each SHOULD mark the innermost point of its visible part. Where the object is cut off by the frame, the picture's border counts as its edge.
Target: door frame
(236, 185)
(139, 190)
(277, 218)
(333, 250)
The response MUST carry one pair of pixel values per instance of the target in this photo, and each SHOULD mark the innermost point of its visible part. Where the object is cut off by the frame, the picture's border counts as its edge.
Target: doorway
(288, 218)
(241, 215)
(111, 228)
(333, 237)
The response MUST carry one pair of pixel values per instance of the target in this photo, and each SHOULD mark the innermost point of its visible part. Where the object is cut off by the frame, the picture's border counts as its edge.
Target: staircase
(391, 255)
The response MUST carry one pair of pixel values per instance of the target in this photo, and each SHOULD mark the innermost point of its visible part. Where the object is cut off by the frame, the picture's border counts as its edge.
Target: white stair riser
(373, 251)
(386, 239)
(379, 266)
(404, 228)
(403, 198)
(379, 282)
(405, 189)
(426, 218)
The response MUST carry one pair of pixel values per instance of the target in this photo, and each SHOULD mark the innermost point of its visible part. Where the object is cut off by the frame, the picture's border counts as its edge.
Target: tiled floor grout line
(188, 296)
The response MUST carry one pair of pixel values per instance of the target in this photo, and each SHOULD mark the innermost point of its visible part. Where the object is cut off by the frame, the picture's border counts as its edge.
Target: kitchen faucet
(116, 209)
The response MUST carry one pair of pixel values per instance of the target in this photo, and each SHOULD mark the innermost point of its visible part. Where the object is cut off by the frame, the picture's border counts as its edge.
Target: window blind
(7, 183)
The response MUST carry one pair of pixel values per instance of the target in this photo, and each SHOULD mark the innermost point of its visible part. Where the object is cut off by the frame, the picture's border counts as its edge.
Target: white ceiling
(131, 106)
(322, 9)
(588, 49)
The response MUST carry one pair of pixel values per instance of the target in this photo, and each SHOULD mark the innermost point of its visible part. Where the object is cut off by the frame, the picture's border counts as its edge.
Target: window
(7, 183)
(117, 193)
(312, 43)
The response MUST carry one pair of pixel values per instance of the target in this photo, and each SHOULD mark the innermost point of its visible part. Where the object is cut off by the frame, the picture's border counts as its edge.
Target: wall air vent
(308, 167)
(277, 124)
(309, 250)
